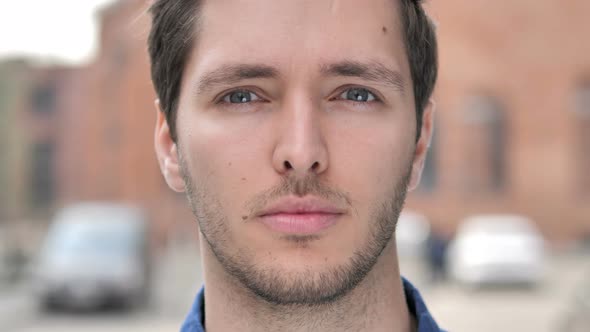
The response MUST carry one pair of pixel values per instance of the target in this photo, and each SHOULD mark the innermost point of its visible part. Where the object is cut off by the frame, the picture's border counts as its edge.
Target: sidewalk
(17, 305)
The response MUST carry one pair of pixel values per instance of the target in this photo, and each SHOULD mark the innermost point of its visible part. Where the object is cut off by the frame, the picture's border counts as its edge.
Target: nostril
(315, 166)
(287, 165)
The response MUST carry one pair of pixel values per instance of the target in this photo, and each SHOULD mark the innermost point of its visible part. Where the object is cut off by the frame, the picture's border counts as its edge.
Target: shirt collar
(425, 322)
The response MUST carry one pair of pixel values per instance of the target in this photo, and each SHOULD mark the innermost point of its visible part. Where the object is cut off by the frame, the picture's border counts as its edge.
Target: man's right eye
(240, 97)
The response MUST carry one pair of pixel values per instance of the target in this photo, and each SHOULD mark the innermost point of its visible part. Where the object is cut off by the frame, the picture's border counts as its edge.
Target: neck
(376, 304)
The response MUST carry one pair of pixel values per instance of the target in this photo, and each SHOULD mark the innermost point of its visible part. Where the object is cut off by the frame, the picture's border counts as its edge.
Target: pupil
(358, 94)
(240, 97)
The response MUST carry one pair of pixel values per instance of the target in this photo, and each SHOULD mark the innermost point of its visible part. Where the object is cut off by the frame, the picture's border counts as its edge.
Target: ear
(167, 152)
(422, 145)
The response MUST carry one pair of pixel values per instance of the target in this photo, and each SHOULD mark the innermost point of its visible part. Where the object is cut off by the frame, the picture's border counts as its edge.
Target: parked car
(411, 234)
(497, 249)
(95, 254)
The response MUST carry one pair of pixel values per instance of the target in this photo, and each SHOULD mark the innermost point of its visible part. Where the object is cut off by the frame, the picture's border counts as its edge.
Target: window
(582, 138)
(485, 145)
(42, 175)
(44, 98)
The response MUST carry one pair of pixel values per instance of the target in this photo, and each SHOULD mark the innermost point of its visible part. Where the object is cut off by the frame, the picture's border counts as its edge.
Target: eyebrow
(233, 73)
(373, 71)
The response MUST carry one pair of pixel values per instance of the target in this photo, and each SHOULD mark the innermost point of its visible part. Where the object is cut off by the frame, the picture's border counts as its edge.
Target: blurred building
(108, 152)
(14, 82)
(33, 99)
(512, 132)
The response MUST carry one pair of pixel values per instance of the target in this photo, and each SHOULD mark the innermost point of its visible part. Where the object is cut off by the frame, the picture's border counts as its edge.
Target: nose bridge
(301, 147)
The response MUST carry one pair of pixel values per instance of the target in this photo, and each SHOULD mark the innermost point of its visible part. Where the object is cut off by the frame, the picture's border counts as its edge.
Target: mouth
(302, 216)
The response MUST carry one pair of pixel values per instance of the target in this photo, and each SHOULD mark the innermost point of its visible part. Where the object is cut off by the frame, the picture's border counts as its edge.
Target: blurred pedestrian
(437, 244)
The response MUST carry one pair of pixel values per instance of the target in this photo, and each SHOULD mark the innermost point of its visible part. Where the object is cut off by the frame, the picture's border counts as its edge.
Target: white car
(497, 249)
(411, 234)
(95, 254)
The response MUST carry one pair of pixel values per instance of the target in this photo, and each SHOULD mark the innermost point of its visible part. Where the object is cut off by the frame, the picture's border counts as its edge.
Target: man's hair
(174, 29)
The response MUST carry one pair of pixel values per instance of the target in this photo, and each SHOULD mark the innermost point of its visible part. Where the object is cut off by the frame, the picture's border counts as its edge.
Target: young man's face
(296, 141)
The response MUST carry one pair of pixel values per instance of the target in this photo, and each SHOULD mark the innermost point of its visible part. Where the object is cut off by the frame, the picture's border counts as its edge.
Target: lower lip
(304, 223)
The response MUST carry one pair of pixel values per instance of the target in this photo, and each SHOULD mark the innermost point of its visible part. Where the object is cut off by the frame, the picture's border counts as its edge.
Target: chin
(307, 255)
(303, 280)
(302, 264)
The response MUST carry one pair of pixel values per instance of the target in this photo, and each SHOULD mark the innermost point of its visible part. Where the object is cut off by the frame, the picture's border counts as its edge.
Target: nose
(300, 148)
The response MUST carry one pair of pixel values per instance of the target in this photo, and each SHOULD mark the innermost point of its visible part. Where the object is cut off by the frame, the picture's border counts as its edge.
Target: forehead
(299, 33)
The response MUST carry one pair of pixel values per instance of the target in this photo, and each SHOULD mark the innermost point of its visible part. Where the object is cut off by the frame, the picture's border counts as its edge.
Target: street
(485, 310)
(454, 307)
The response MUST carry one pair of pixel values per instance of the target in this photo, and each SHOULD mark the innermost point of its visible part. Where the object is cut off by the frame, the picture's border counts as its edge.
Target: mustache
(299, 187)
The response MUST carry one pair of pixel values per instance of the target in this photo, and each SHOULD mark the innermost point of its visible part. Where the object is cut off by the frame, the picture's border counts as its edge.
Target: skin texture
(299, 136)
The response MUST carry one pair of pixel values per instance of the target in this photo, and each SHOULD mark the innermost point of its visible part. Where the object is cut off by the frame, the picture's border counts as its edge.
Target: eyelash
(222, 99)
(375, 96)
(227, 95)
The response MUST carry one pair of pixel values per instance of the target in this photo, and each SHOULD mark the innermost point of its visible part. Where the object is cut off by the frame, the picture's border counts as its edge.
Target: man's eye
(240, 97)
(358, 94)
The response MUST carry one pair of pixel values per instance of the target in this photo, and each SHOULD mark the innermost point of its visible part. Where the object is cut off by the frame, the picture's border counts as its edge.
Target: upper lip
(301, 205)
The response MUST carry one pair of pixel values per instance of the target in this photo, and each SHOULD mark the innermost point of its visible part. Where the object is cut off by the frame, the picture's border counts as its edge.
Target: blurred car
(497, 249)
(95, 254)
(411, 234)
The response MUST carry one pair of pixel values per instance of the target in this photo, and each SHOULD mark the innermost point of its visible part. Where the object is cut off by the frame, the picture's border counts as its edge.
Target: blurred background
(497, 237)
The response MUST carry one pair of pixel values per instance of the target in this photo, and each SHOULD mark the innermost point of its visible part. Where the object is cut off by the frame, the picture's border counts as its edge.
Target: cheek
(223, 156)
(370, 157)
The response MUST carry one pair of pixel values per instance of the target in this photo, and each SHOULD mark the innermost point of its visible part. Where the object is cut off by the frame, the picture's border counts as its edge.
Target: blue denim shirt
(425, 322)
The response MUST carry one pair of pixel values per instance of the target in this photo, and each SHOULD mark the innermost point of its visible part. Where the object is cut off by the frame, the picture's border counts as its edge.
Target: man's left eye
(358, 95)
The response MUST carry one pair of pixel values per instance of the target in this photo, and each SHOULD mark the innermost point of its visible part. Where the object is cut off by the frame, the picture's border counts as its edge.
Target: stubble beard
(303, 288)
